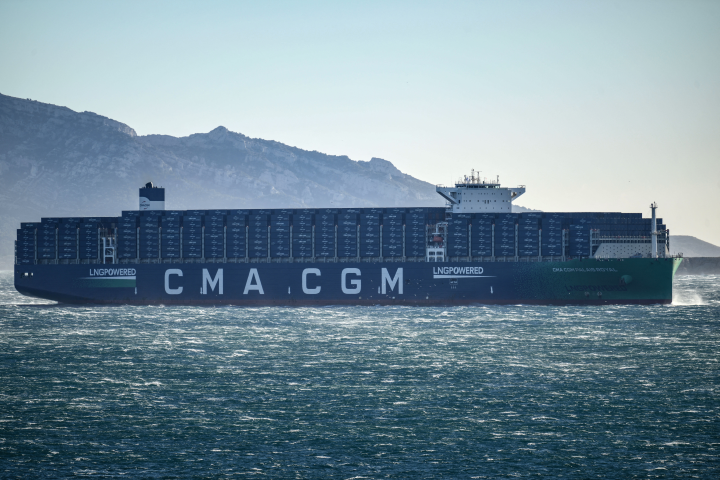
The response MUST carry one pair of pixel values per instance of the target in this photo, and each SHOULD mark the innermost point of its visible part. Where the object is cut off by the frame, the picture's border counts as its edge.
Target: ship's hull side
(588, 282)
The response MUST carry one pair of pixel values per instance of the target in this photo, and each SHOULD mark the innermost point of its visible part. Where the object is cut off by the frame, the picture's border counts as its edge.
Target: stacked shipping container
(347, 234)
(325, 233)
(258, 235)
(458, 235)
(280, 234)
(415, 232)
(214, 234)
(482, 240)
(505, 234)
(370, 233)
(392, 232)
(302, 245)
(344, 233)
(236, 240)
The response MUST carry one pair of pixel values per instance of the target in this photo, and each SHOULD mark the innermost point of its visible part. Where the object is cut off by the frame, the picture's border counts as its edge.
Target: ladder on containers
(436, 249)
(109, 249)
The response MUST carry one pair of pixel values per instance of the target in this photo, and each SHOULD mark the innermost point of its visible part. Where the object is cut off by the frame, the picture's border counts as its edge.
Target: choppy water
(362, 392)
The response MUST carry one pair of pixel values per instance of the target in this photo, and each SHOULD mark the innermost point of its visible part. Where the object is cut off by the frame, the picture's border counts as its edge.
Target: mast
(653, 232)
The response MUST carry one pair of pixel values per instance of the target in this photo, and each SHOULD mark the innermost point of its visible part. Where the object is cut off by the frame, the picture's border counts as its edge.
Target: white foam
(687, 297)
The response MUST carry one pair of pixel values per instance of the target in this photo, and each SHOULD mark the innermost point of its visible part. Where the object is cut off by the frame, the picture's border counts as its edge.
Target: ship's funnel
(152, 197)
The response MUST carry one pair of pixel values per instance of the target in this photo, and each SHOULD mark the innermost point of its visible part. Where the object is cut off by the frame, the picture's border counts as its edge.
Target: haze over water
(362, 392)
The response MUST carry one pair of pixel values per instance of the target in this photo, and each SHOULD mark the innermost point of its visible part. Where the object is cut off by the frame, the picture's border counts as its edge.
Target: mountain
(56, 162)
(692, 247)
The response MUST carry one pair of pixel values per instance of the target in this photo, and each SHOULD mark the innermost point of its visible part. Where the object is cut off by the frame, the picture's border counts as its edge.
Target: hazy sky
(595, 106)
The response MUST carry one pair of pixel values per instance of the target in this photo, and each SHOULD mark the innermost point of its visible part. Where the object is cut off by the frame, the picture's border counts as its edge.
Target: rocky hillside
(692, 247)
(699, 266)
(57, 162)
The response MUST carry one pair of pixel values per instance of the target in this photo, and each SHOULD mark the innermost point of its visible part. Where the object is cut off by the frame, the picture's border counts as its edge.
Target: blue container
(191, 252)
(236, 222)
(258, 251)
(149, 252)
(457, 251)
(369, 219)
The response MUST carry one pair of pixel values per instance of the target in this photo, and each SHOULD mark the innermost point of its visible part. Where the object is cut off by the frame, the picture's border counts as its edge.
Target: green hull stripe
(676, 265)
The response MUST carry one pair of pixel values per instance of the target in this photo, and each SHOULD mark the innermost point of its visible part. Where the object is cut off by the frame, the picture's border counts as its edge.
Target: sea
(611, 392)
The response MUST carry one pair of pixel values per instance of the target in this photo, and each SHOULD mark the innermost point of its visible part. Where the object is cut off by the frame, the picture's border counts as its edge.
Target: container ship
(472, 251)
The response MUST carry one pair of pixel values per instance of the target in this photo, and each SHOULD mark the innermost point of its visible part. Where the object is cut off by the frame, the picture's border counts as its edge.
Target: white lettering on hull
(112, 272)
(305, 273)
(356, 283)
(253, 282)
(459, 272)
(212, 281)
(173, 291)
(386, 280)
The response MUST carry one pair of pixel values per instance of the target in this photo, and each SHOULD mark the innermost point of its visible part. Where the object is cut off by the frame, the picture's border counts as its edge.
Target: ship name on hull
(350, 281)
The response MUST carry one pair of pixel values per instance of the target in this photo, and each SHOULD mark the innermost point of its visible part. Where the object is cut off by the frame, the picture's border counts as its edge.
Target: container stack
(215, 234)
(150, 234)
(336, 232)
(415, 232)
(302, 234)
(528, 241)
(392, 237)
(505, 235)
(370, 233)
(280, 235)
(89, 239)
(170, 234)
(192, 234)
(258, 233)
(579, 241)
(127, 235)
(481, 242)
(236, 233)
(25, 248)
(552, 224)
(47, 236)
(68, 238)
(458, 236)
(662, 237)
(347, 235)
(325, 233)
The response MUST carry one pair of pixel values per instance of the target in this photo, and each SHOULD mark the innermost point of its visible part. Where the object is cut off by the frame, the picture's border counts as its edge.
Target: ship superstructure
(475, 194)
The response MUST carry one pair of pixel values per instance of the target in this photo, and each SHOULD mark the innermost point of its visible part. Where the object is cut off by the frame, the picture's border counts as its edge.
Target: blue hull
(626, 281)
